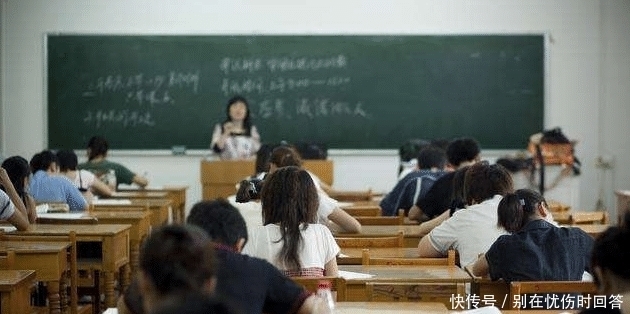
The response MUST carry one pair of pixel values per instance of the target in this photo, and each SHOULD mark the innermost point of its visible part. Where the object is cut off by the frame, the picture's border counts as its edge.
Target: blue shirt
(540, 251)
(47, 188)
(413, 186)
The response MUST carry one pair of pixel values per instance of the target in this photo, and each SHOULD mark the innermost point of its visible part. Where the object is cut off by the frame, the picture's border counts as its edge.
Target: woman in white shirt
(236, 138)
(84, 180)
(290, 239)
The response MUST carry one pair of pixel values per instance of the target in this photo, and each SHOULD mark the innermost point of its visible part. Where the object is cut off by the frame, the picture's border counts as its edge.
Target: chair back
(371, 241)
(519, 288)
(311, 284)
(382, 220)
(363, 210)
(7, 260)
(445, 261)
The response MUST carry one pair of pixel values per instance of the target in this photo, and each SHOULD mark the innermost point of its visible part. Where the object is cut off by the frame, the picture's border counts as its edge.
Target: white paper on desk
(353, 275)
(42, 208)
(345, 204)
(61, 215)
(111, 310)
(8, 228)
(110, 201)
(342, 255)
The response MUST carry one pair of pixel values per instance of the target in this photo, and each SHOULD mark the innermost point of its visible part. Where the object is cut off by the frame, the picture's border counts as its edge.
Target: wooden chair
(413, 291)
(311, 283)
(519, 288)
(371, 241)
(595, 217)
(382, 220)
(363, 210)
(448, 261)
(351, 196)
(71, 273)
(7, 260)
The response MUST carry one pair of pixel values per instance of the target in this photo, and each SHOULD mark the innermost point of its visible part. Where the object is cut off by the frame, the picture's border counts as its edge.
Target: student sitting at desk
(536, 248)
(84, 180)
(473, 230)
(100, 166)
(19, 173)
(290, 238)
(11, 207)
(430, 165)
(47, 185)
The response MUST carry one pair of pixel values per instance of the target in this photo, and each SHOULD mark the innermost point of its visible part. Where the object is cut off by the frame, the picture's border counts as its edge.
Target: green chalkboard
(154, 92)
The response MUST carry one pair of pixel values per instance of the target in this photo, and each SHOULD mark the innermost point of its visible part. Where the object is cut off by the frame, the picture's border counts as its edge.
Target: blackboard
(155, 92)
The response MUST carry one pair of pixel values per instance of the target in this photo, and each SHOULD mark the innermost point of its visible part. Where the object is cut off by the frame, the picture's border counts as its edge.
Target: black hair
(67, 160)
(462, 149)
(247, 123)
(177, 259)
(18, 169)
(482, 181)
(43, 160)
(262, 158)
(285, 155)
(612, 251)
(222, 221)
(431, 157)
(97, 146)
(517, 209)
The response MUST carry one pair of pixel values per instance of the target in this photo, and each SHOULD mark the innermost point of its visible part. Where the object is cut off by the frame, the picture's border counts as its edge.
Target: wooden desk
(142, 196)
(411, 233)
(353, 256)
(176, 193)
(593, 230)
(161, 207)
(219, 177)
(48, 259)
(390, 307)
(15, 290)
(623, 204)
(453, 278)
(114, 240)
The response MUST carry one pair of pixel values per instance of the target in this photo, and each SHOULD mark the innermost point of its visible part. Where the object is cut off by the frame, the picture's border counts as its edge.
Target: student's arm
(345, 221)
(480, 267)
(427, 226)
(312, 304)
(19, 218)
(100, 188)
(426, 249)
(31, 208)
(140, 180)
(439, 240)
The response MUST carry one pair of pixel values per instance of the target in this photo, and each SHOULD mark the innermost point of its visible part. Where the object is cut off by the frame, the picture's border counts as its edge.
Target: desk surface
(9, 278)
(408, 230)
(81, 230)
(28, 247)
(389, 307)
(399, 273)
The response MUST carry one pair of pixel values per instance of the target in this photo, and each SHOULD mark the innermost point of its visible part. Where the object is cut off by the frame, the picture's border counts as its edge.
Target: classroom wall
(587, 81)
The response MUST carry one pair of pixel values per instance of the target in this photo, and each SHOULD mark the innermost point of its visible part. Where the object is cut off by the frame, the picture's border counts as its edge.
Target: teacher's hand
(228, 127)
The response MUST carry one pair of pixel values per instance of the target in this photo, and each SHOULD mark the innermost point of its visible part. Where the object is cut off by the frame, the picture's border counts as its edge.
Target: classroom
(586, 75)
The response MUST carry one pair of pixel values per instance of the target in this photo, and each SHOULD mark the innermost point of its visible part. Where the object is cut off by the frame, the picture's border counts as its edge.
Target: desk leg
(125, 277)
(108, 277)
(54, 300)
(134, 255)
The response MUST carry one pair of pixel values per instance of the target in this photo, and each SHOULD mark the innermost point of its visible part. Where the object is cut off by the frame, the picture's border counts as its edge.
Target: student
(328, 209)
(459, 153)
(84, 180)
(11, 207)
(291, 239)
(430, 165)
(48, 186)
(175, 260)
(609, 262)
(19, 173)
(473, 230)
(236, 137)
(97, 163)
(241, 277)
(536, 248)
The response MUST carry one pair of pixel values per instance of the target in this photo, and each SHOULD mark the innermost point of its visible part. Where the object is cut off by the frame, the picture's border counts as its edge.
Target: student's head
(483, 181)
(457, 193)
(67, 160)
(431, 157)
(289, 198)
(610, 260)
(262, 158)
(238, 109)
(284, 156)
(222, 221)
(19, 171)
(517, 209)
(45, 160)
(462, 151)
(175, 260)
(97, 146)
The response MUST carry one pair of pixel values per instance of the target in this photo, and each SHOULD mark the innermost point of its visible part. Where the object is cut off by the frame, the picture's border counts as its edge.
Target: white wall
(586, 88)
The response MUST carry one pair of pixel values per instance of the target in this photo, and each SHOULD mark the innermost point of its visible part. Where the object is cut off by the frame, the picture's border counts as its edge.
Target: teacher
(236, 138)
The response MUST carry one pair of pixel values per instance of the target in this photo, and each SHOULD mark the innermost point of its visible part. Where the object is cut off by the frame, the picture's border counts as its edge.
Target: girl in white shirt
(290, 239)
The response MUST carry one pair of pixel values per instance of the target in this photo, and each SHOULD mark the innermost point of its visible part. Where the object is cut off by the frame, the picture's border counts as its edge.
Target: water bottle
(324, 293)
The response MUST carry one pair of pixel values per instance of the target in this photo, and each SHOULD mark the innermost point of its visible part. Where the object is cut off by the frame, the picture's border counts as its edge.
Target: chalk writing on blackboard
(261, 85)
(125, 118)
(310, 108)
(230, 65)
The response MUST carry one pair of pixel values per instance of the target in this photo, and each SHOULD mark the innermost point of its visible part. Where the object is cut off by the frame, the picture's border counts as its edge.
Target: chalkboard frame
(544, 78)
